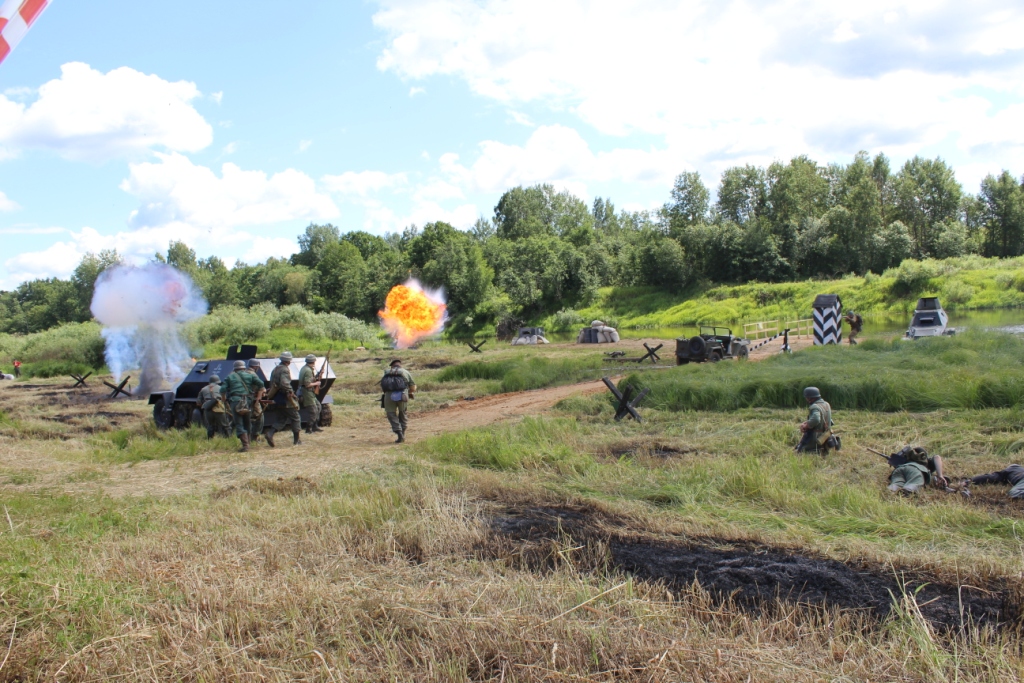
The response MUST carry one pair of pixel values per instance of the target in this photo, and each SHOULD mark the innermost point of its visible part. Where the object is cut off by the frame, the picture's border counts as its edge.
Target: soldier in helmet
(398, 387)
(817, 428)
(257, 406)
(309, 386)
(856, 323)
(281, 384)
(214, 415)
(241, 389)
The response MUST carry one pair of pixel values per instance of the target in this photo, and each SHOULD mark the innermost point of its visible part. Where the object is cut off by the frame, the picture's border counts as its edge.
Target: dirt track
(362, 443)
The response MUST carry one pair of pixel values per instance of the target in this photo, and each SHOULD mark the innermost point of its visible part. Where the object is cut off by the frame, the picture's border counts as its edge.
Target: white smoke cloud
(141, 310)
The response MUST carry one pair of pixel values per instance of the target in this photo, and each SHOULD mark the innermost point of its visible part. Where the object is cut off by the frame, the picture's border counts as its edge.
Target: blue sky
(233, 125)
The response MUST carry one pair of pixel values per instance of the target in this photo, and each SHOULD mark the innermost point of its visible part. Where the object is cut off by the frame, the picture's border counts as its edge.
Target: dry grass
(391, 567)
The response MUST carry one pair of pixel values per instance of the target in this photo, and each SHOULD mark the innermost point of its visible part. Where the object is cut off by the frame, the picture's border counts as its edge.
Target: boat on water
(930, 320)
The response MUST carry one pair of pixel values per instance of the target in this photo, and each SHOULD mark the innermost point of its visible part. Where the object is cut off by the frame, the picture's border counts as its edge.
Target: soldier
(398, 386)
(17, 368)
(213, 408)
(856, 323)
(917, 471)
(257, 406)
(308, 388)
(281, 383)
(1012, 475)
(817, 428)
(241, 388)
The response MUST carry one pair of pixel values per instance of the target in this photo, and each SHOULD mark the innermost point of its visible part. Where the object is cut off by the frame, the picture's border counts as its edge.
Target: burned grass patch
(647, 449)
(753, 576)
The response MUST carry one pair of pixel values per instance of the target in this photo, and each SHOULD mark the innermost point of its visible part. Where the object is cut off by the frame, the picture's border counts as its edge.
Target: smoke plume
(141, 310)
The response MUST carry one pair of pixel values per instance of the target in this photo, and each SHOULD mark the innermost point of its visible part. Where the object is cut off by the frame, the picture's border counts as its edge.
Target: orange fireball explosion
(410, 314)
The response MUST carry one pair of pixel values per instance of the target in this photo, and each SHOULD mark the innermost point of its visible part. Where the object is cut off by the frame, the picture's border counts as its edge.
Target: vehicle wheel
(714, 356)
(326, 416)
(182, 415)
(682, 361)
(697, 346)
(162, 415)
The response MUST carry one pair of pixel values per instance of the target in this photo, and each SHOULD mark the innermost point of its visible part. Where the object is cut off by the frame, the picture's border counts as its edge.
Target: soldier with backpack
(817, 428)
(914, 468)
(398, 387)
(241, 389)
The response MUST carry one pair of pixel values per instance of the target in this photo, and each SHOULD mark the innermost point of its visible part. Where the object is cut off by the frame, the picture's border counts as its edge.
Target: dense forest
(545, 250)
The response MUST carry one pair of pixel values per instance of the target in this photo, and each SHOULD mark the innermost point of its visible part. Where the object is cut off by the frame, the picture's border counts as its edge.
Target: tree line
(544, 250)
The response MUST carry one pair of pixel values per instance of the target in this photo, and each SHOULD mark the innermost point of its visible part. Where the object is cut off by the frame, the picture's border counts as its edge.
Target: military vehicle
(712, 344)
(929, 319)
(179, 409)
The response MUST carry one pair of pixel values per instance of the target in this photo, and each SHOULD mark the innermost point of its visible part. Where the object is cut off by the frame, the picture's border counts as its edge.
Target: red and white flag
(16, 16)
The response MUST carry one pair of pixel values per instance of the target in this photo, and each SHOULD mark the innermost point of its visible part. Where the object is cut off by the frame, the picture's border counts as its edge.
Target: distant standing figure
(308, 387)
(856, 323)
(1013, 475)
(281, 383)
(214, 414)
(241, 389)
(256, 419)
(398, 387)
(17, 368)
(916, 472)
(817, 428)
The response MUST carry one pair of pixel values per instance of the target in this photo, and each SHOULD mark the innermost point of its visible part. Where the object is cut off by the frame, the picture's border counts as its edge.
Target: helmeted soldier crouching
(817, 428)
(215, 413)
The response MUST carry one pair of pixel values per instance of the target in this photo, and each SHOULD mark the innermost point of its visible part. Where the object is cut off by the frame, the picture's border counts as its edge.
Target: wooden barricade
(761, 330)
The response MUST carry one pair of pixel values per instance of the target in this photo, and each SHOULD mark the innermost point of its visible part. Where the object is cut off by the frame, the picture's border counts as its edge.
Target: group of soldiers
(913, 467)
(238, 401)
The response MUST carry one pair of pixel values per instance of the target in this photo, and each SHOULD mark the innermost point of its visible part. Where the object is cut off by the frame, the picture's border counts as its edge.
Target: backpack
(914, 454)
(392, 382)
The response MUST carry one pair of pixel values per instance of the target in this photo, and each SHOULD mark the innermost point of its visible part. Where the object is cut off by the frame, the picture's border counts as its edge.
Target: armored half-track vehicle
(712, 344)
(929, 320)
(179, 408)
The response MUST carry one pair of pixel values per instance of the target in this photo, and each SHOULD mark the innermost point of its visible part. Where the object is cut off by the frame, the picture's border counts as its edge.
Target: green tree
(341, 281)
(85, 276)
(313, 243)
(742, 194)
(927, 195)
(1003, 215)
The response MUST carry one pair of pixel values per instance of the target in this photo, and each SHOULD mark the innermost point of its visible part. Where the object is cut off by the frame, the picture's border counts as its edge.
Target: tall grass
(526, 373)
(974, 370)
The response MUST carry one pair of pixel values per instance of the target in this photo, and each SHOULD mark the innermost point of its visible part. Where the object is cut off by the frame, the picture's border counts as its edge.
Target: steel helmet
(286, 357)
(239, 365)
(254, 363)
(311, 358)
(214, 379)
(812, 392)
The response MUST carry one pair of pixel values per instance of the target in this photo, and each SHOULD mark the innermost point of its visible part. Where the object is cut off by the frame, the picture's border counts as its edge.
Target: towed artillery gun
(930, 320)
(179, 408)
(712, 344)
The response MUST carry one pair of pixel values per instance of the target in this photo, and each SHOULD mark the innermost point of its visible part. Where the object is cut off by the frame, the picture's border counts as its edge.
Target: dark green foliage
(976, 370)
(55, 368)
(527, 373)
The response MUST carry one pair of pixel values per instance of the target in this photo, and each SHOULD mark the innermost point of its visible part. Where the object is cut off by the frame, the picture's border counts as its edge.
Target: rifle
(321, 394)
(894, 460)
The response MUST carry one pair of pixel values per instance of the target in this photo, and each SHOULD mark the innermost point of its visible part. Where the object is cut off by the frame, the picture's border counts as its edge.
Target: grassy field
(962, 283)
(562, 546)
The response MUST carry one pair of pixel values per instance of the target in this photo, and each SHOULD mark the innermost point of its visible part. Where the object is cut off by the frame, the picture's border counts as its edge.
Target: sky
(233, 125)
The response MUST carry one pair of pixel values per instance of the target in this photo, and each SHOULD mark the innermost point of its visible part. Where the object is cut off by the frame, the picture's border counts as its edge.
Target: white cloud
(230, 148)
(264, 247)
(844, 33)
(733, 81)
(88, 115)
(557, 155)
(7, 204)
(174, 190)
(363, 182)
(416, 90)
(304, 145)
(218, 96)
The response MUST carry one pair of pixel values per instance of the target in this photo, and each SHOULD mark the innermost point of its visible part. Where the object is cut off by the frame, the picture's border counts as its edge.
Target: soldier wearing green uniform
(240, 388)
(257, 408)
(917, 471)
(817, 428)
(281, 383)
(214, 416)
(309, 385)
(395, 401)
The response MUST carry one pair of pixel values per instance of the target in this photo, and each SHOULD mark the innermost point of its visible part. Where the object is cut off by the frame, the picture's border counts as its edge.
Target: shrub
(957, 292)
(912, 277)
(55, 368)
(566, 319)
